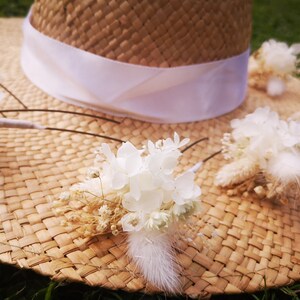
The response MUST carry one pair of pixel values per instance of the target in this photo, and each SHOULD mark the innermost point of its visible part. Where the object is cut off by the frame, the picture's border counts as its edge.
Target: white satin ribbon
(164, 95)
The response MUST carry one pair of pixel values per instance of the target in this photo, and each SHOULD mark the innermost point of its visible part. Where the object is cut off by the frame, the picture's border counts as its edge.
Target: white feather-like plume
(153, 253)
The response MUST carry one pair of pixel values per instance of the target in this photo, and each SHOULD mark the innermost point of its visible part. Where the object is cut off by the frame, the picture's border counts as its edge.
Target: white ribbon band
(165, 95)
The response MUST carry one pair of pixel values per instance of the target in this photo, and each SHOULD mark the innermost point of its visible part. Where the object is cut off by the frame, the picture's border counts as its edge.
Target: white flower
(132, 222)
(118, 169)
(92, 172)
(64, 196)
(278, 56)
(104, 210)
(270, 66)
(289, 133)
(148, 201)
(185, 190)
(157, 220)
(256, 144)
(144, 181)
(186, 209)
(171, 145)
(102, 224)
(255, 135)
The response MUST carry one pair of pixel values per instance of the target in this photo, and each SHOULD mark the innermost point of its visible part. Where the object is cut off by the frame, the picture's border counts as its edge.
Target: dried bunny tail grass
(275, 86)
(153, 252)
(295, 48)
(236, 172)
(285, 167)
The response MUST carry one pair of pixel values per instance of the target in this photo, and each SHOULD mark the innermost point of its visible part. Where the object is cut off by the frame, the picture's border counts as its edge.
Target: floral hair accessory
(265, 156)
(271, 65)
(136, 191)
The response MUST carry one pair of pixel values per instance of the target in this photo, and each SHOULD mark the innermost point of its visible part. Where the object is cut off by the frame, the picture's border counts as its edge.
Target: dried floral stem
(211, 156)
(194, 143)
(60, 111)
(13, 95)
(86, 133)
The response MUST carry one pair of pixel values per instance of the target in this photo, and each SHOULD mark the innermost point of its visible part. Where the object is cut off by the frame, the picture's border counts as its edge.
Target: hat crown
(161, 33)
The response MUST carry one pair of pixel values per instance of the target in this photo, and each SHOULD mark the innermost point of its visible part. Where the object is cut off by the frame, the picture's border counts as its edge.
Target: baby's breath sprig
(90, 214)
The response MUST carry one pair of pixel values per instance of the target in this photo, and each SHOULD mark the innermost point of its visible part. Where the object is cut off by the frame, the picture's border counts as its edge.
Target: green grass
(14, 8)
(277, 19)
(271, 19)
(18, 284)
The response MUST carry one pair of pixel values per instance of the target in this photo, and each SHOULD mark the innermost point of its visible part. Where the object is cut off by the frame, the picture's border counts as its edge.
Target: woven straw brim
(160, 33)
(257, 241)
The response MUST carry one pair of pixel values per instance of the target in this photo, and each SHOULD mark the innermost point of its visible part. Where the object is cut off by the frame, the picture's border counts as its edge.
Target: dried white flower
(261, 142)
(278, 57)
(157, 220)
(144, 193)
(92, 172)
(104, 210)
(270, 66)
(64, 196)
(132, 222)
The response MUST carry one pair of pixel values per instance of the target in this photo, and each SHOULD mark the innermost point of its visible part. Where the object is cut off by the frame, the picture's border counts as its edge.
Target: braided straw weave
(164, 33)
(254, 238)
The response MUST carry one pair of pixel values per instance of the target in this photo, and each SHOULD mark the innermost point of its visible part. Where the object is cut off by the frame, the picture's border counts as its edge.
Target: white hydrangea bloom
(145, 182)
(270, 66)
(185, 189)
(254, 143)
(278, 57)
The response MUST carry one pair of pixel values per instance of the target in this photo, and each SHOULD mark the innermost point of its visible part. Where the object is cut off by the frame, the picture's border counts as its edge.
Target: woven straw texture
(255, 238)
(163, 33)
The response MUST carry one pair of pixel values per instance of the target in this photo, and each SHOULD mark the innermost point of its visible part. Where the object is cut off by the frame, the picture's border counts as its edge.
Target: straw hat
(235, 244)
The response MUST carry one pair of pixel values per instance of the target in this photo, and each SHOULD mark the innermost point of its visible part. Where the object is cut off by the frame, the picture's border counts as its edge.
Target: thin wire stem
(13, 95)
(59, 111)
(194, 143)
(85, 133)
(211, 156)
